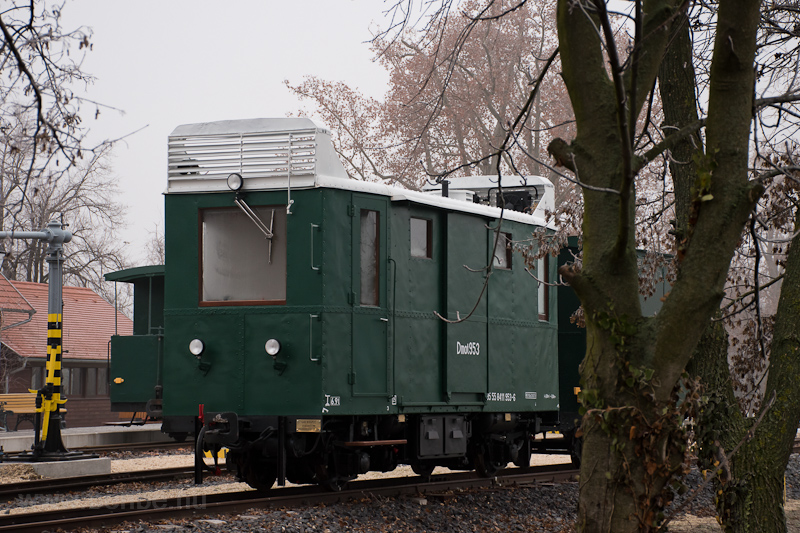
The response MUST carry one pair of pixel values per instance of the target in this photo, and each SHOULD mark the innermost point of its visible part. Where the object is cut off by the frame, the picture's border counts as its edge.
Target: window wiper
(252, 215)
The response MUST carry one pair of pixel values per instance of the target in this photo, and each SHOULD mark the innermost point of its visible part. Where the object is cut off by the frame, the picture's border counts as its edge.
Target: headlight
(196, 347)
(272, 347)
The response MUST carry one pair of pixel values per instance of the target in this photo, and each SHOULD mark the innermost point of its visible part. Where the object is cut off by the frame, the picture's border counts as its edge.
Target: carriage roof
(296, 153)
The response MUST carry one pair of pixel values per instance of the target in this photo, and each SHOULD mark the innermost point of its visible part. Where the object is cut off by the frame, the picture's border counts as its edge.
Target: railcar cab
(136, 361)
(244, 252)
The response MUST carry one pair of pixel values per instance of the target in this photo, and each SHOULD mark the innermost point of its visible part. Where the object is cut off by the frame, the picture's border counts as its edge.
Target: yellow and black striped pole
(49, 401)
(48, 398)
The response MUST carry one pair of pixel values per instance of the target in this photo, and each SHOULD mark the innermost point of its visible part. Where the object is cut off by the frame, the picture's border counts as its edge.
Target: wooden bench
(22, 404)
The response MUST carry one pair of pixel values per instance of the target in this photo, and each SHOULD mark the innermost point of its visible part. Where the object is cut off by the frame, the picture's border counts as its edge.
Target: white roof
(289, 153)
(249, 125)
(267, 152)
(398, 194)
(473, 183)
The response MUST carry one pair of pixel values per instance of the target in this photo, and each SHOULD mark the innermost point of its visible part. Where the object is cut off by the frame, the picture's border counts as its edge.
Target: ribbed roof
(88, 323)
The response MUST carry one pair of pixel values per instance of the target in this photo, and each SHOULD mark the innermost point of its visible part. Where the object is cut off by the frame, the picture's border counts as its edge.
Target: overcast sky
(166, 63)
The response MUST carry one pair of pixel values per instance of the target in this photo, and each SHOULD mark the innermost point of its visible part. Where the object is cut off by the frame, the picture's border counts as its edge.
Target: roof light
(235, 181)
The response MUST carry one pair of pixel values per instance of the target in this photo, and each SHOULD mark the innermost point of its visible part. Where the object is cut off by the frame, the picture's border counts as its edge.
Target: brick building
(88, 322)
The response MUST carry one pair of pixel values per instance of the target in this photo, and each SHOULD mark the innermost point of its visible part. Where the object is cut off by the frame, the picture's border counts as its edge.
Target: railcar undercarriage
(334, 450)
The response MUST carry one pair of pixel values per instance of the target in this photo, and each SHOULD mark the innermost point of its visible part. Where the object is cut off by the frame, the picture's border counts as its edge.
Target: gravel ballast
(547, 508)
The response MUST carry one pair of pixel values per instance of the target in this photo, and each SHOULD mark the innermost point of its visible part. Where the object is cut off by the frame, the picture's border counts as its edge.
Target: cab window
(239, 264)
(370, 258)
(420, 238)
(543, 271)
(503, 252)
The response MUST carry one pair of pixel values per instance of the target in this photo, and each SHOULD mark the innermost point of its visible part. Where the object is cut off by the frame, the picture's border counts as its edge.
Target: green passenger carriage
(327, 326)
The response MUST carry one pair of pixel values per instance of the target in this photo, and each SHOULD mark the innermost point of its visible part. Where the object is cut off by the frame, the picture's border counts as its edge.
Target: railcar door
(466, 343)
(369, 370)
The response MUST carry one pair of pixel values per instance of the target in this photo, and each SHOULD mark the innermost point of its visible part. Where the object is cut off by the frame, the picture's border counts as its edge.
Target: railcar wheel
(423, 470)
(335, 484)
(330, 481)
(260, 475)
(487, 467)
(523, 459)
(488, 458)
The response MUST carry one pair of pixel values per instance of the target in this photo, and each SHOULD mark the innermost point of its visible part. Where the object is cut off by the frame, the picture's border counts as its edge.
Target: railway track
(136, 446)
(190, 506)
(124, 447)
(210, 504)
(10, 491)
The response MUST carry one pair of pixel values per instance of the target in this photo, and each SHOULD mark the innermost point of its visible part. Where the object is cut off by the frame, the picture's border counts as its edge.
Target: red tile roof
(12, 303)
(88, 322)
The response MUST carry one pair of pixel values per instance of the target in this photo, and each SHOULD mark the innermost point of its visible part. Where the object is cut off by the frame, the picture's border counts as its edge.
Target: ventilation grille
(255, 155)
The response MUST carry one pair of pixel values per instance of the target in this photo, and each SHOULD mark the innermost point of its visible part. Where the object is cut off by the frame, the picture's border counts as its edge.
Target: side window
(543, 274)
(76, 382)
(421, 238)
(72, 381)
(102, 381)
(502, 252)
(239, 264)
(91, 382)
(37, 377)
(370, 250)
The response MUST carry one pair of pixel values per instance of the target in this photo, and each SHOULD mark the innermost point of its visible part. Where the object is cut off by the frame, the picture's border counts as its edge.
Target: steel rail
(10, 491)
(133, 446)
(202, 505)
(122, 447)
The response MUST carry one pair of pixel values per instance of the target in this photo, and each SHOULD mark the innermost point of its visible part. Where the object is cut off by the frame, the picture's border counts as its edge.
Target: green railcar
(320, 327)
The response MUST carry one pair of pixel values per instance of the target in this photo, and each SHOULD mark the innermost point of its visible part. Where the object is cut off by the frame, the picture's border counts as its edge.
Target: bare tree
(40, 67)
(447, 110)
(48, 171)
(84, 198)
(747, 427)
(635, 440)
(156, 254)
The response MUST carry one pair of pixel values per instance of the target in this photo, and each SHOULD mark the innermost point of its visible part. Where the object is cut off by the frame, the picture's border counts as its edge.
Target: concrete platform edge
(23, 440)
(81, 467)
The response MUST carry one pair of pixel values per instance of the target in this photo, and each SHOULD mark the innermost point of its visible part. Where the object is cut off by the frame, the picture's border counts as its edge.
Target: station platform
(73, 438)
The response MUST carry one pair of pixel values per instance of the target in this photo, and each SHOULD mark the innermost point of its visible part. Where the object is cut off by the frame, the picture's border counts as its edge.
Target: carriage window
(238, 265)
(72, 381)
(543, 274)
(502, 252)
(370, 248)
(102, 381)
(91, 382)
(37, 377)
(421, 232)
(83, 382)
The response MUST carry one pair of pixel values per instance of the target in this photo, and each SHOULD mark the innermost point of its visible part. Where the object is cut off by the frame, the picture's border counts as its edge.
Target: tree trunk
(676, 83)
(750, 489)
(634, 440)
(754, 500)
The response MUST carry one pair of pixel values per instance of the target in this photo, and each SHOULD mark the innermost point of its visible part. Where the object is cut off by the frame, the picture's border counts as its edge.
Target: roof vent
(202, 156)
